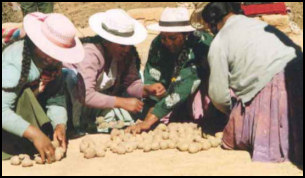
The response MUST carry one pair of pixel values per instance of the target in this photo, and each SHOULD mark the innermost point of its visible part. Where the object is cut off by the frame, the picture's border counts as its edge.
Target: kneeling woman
(33, 85)
(110, 72)
(175, 60)
(264, 69)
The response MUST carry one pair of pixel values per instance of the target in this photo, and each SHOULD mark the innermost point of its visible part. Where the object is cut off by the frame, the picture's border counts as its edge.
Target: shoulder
(11, 64)
(94, 54)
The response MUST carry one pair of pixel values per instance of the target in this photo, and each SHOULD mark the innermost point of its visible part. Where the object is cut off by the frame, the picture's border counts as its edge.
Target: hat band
(174, 24)
(116, 32)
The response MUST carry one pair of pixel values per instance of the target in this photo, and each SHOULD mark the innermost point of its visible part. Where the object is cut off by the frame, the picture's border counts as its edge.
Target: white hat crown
(118, 22)
(175, 15)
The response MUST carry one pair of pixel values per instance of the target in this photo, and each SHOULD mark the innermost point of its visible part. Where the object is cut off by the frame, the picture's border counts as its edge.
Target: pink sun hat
(55, 35)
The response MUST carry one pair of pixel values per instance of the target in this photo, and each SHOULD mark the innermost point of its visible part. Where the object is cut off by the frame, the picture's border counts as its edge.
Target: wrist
(31, 133)
(151, 119)
(118, 102)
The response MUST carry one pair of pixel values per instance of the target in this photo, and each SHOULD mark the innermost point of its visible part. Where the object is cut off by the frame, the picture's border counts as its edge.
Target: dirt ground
(79, 12)
(169, 162)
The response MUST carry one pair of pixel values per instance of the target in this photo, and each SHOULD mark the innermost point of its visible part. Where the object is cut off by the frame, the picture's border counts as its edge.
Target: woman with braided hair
(176, 61)
(33, 86)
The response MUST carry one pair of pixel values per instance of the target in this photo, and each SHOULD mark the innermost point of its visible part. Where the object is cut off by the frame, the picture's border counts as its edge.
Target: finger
(141, 103)
(138, 130)
(64, 142)
(42, 155)
(48, 156)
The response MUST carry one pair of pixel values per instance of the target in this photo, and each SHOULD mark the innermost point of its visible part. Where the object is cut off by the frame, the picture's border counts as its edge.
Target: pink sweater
(92, 67)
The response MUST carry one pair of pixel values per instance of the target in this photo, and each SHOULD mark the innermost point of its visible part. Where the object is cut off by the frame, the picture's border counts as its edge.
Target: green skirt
(30, 110)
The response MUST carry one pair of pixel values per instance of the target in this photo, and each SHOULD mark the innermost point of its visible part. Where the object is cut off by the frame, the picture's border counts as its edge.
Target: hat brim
(140, 33)
(173, 29)
(72, 55)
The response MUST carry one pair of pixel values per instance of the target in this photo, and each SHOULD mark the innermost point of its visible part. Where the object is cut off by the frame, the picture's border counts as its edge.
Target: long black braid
(26, 65)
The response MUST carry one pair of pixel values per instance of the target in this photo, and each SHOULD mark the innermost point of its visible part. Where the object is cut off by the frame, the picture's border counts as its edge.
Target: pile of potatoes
(102, 124)
(186, 137)
(25, 160)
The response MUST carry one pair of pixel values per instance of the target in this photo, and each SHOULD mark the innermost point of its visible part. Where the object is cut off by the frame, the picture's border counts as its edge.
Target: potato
(194, 148)
(129, 148)
(147, 147)
(198, 139)
(139, 139)
(183, 146)
(59, 154)
(15, 161)
(158, 137)
(103, 125)
(214, 142)
(162, 127)
(83, 147)
(219, 135)
(141, 145)
(155, 145)
(100, 120)
(90, 153)
(165, 135)
(116, 133)
(27, 163)
(24, 156)
(120, 124)
(112, 124)
(118, 140)
(206, 145)
(55, 143)
(164, 145)
(171, 144)
(121, 149)
(38, 160)
(100, 153)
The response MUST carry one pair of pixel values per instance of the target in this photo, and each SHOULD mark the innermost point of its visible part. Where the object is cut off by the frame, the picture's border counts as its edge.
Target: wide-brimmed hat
(173, 20)
(117, 26)
(55, 35)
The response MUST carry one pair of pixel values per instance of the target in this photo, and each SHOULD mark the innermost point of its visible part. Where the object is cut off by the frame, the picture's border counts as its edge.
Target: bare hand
(149, 121)
(157, 90)
(130, 104)
(41, 142)
(60, 135)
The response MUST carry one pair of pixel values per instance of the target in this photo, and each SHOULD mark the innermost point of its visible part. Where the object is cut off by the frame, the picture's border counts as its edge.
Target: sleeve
(219, 90)
(132, 80)
(11, 122)
(55, 101)
(185, 85)
(89, 70)
(152, 72)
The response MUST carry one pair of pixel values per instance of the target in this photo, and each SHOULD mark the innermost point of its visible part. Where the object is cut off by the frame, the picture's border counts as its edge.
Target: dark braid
(95, 40)
(26, 65)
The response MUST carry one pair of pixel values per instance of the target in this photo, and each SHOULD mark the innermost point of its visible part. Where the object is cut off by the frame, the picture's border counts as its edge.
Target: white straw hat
(117, 26)
(173, 20)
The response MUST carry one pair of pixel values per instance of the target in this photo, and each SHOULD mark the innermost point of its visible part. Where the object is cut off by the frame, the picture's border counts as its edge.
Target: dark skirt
(270, 127)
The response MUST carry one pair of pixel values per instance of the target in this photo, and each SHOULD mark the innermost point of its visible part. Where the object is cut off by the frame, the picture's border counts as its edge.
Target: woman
(262, 69)
(32, 85)
(110, 71)
(175, 57)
